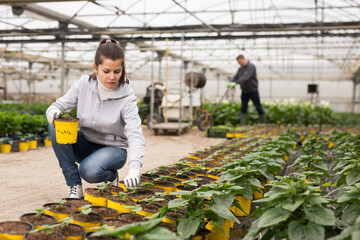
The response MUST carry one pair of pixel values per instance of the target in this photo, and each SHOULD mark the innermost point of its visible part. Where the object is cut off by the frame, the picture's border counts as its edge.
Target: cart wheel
(157, 118)
(204, 124)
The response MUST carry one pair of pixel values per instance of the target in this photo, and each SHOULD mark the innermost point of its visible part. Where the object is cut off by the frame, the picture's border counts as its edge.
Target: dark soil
(163, 184)
(212, 164)
(146, 179)
(199, 171)
(163, 203)
(190, 174)
(185, 188)
(70, 230)
(201, 182)
(170, 197)
(155, 189)
(41, 235)
(210, 179)
(171, 169)
(91, 217)
(15, 227)
(125, 201)
(114, 189)
(37, 220)
(95, 192)
(180, 176)
(115, 222)
(150, 175)
(168, 226)
(105, 211)
(55, 207)
(150, 207)
(133, 217)
(213, 173)
(75, 202)
(175, 215)
(192, 160)
(141, 193)
(162, 172)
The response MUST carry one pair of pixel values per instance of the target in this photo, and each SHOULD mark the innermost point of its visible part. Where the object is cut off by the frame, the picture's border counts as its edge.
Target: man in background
(246, 77)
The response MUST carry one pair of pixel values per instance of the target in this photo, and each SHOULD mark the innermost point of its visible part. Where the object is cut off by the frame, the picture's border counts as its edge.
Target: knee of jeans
(91, 175)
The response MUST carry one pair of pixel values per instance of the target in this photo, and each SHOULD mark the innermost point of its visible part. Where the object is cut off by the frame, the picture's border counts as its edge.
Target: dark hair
(110, 48)
(240, 57)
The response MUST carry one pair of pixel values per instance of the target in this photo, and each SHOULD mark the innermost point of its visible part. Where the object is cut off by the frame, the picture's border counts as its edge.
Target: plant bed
(105, 212)
(181, 177)
(59, 210)
(42, 235)
(37, 220)
(132, 217)
(97, 196)
(71, 231)
(14, 229)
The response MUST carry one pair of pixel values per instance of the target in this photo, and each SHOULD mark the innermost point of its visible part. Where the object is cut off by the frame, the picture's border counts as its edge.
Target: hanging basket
(66, 130)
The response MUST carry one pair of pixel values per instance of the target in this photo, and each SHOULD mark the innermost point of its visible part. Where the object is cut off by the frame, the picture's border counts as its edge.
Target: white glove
(52, 114)
(133, 178)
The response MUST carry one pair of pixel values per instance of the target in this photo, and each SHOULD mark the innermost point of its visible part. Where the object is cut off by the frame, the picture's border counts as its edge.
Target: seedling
(153, 199)
(46, 228)
(134, 209)
(65, 222)
(86, 210)
(39, 211)
(60, 203)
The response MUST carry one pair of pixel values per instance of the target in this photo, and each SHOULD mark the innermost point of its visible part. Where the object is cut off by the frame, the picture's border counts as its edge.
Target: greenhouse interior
(237, 119)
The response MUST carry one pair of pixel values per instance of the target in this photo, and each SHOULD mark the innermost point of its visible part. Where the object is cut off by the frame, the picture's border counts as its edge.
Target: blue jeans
(97, 163)
(255, 98)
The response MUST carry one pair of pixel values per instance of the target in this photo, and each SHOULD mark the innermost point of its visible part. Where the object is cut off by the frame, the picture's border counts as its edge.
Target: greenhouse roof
(305, 40)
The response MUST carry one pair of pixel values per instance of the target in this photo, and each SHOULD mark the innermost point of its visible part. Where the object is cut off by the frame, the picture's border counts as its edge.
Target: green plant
(60, 203)
(134, 209)
(140, 231)
(292, 208)
(197, 209)
(45, 228)
(39, 211)
(86, 209)
(6, 140)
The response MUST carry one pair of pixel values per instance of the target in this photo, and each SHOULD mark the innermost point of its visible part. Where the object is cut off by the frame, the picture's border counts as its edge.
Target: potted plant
(66, 127)
(5, 144)
(119, 201)
(87, 219)
(71, 231)
(44, 232)
(38, 219)
(23, 143)
(14, 229)
(59, 209)
(97, 196)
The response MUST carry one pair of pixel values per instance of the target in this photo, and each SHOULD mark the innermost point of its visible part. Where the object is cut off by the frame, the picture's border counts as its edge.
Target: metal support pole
(29, 83)
(152, 87)
(62, 68)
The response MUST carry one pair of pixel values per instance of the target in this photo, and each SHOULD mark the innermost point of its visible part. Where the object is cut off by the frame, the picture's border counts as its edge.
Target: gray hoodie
(113, 122)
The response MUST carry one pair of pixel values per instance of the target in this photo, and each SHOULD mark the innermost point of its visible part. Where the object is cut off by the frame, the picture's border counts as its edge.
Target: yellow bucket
(9, 236)
(88, 225)
(118, 206)
(66, 132)
(245, 204)
(5, 148)
(59, 216)
(23, 146)
(47, 142)
(32, 144)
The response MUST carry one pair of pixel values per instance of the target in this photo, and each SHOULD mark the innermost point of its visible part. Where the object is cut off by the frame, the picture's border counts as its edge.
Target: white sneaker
(75, 191)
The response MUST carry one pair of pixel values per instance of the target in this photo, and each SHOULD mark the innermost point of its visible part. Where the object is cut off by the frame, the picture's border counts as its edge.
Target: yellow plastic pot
(118, 206)
(96, 201)
(239, 135)
(5, 148)
(23, 146)
(245, 204)
(59, 216)
(47, 142)
(194, 157)
(79, 236)
(258, 195)
(66, 131)
(146, 213)
(230, 135)
(216, 233)
(32, 144)
(9, 236)
(88, 225)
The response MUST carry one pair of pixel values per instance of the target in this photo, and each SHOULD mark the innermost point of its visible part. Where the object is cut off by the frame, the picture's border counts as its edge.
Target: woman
(109, 123)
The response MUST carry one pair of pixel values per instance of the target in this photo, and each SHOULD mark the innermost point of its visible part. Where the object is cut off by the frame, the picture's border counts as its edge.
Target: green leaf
(350, 214)
(178, 202)
(352, 178)
(311, 231)
(158, 233)
(273, 217)
(291, 206)
(188, 227)
(255, 182)
(225, 200)
(223, 212)
(320, 215)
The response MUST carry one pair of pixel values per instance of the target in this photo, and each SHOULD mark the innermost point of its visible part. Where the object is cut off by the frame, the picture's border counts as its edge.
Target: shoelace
(72, 191)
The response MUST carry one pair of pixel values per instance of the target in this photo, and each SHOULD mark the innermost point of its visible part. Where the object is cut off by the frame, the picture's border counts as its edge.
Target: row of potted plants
(23, 142)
